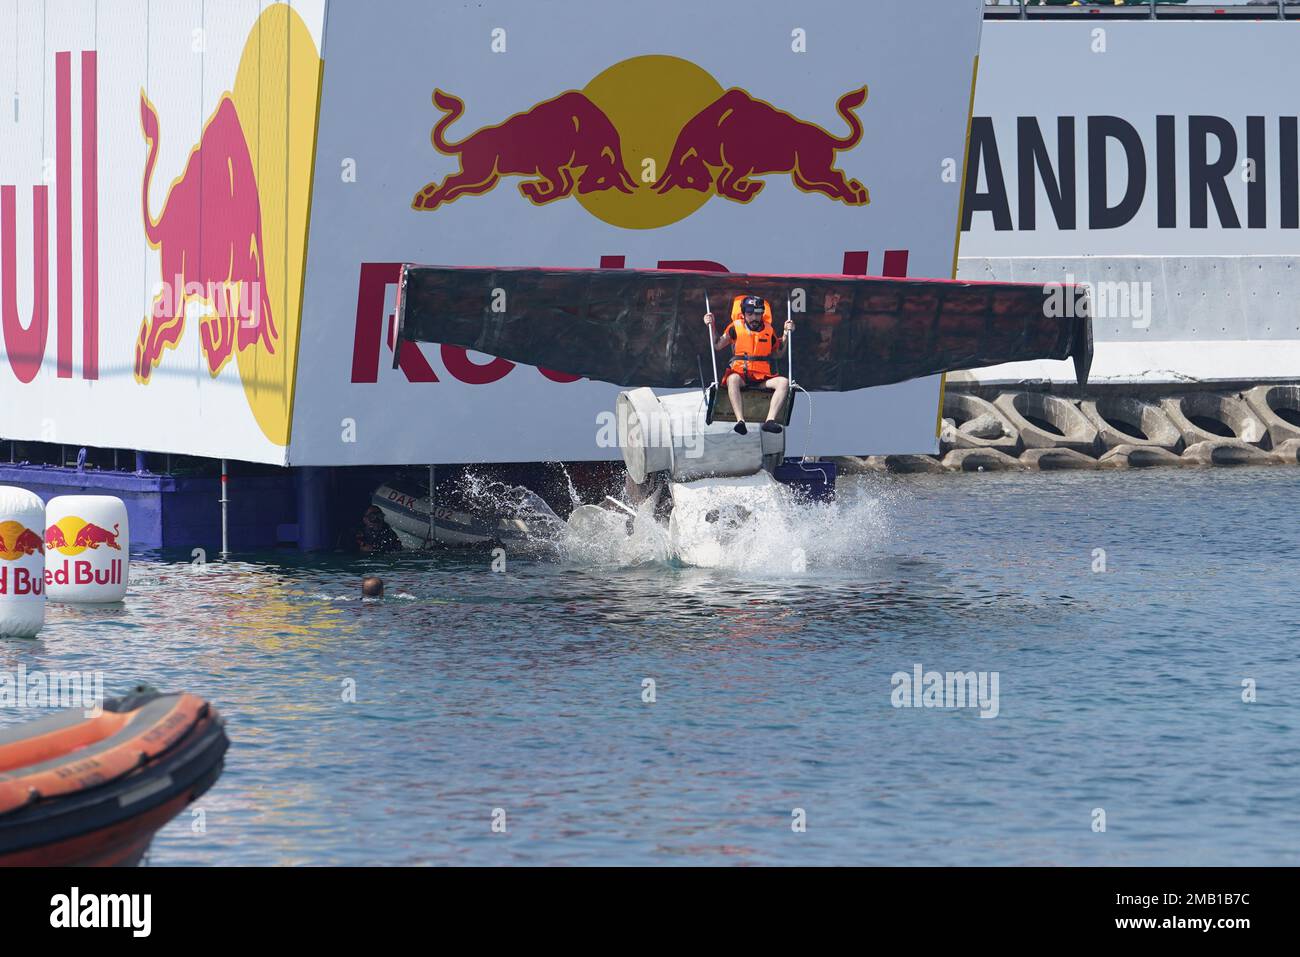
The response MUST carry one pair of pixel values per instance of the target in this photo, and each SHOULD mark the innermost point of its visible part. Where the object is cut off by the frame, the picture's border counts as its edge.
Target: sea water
(598, 701)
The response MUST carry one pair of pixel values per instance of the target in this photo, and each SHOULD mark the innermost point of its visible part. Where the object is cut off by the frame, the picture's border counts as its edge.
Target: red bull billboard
(199, 249)
(820, 140)
(151, 269)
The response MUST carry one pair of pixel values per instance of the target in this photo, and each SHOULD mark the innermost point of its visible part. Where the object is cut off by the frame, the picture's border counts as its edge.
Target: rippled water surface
(523, 689)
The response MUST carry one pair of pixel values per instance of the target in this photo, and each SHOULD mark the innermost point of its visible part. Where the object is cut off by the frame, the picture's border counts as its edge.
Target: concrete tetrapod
(1211, 417)
(1226, 452)
(1288, 452)
(980, 460)
(1126, 421)
(970, 422)
(1138, 457)
(1048, 460)
(1047, 421)
(904, 463)
(852, 464)
(1278, 407)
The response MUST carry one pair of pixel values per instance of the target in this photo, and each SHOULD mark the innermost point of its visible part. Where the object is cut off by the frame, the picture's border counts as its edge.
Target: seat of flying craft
(754, 400)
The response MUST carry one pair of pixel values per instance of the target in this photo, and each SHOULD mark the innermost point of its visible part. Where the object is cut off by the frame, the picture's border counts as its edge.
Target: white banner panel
(581, 134)
(1113, 138)
(155, 164)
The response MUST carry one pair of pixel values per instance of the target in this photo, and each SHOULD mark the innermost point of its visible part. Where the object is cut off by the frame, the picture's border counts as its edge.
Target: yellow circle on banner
(276, 94)
(649, 99)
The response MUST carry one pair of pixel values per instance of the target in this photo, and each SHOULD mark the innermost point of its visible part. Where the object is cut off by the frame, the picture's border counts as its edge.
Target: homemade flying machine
(642, 329)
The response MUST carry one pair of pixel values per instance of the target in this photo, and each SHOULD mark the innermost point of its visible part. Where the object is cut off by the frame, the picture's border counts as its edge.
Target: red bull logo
(646, 143)
(209, 235)
(72, 535)
(69, 537)
(738, 137)
(231, 234)
(18, 541)
(576, 140)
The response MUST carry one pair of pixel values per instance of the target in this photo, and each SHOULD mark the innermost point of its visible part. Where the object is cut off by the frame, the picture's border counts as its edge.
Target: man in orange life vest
(757, 347)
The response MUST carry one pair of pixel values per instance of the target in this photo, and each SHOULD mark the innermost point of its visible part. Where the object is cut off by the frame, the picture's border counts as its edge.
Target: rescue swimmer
(756, 348)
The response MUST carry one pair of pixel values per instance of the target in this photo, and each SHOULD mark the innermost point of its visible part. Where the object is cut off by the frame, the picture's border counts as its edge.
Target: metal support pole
(713, 352)
(225, 501)
(789, 346)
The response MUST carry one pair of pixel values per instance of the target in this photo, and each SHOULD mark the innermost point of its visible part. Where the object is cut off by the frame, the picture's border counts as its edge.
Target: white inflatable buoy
(87, 548)
(22, 562)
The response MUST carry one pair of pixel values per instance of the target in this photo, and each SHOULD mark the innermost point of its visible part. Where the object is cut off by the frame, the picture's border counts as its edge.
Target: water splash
(535, 526)
(766, 527)
(750, 525)
(774, 530)
(599, 536)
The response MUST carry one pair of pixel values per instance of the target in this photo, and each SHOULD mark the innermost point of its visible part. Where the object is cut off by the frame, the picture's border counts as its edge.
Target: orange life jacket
(753, 350)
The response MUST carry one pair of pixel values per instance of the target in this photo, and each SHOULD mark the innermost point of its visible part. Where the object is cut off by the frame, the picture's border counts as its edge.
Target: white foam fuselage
(668, 434)
(718, 479)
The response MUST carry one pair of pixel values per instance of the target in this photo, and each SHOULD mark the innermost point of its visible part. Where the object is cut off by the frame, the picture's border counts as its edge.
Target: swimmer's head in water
(372, 586)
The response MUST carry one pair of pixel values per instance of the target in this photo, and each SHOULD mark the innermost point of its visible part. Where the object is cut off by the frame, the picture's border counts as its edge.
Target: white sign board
(544, 135)
(155, 165)
(1140, 138)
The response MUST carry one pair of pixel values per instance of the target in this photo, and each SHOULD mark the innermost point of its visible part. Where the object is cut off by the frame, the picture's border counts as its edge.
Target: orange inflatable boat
(94, 791)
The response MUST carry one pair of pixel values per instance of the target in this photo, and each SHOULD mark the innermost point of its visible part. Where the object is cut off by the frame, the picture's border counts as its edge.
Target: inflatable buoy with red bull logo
(87, 548)
(22, 563)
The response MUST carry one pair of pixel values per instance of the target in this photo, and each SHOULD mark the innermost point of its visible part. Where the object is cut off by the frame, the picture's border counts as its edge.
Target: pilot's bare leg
(734, 385)
(779, 385)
